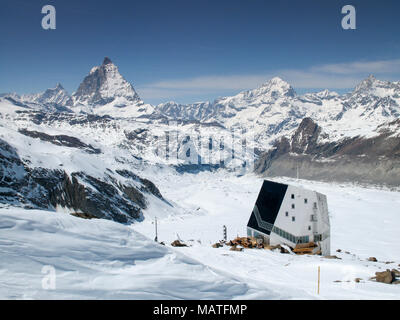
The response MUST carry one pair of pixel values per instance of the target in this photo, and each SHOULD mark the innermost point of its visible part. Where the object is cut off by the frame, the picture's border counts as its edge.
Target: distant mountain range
(268, 111)
(65, 148)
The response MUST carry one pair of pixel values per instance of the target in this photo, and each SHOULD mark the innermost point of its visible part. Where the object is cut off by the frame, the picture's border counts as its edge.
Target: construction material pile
(307, 248)
(178, 243)
(239, 243)
(246, 242)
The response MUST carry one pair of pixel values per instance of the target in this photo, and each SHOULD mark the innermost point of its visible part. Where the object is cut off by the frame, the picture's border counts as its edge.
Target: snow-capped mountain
(52, 100)
(309, 154)
(190, 112)
(374, 99)
(271, 110)
(104, 85)
(276, 109)
(57, 96)
(68, 162)
(106, 111)
(275, 91)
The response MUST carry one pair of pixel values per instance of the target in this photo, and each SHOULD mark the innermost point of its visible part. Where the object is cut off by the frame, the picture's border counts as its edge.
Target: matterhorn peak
(107, 60)
(104, 85)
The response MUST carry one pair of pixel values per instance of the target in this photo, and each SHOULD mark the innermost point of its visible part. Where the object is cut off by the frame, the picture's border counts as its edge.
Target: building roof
(267, 206)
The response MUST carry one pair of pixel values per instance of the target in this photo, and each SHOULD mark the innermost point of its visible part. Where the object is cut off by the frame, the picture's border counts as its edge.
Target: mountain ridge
(105, 91)
(264, 114)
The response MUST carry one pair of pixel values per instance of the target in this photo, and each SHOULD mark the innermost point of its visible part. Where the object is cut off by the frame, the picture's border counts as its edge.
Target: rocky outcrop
(387, 276)
(373, 160)
(59, 118)
(101, 198)
(61, 140)
(107, 197)
(305, 139)
(17, 186)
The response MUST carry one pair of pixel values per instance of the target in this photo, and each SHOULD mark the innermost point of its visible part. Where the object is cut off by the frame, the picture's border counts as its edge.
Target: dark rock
(100, 197)
(283, 250)
(137, 134)
(177, 243)
(365, 160)
(396, 272)
(60, 140)
(107, 60)
(18, 187)
(385, 276)
(83, 215)
(305, 138)
(372, 259)
(147, 185)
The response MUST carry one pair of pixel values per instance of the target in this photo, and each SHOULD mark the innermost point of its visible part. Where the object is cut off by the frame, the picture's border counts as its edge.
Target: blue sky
(192, 50)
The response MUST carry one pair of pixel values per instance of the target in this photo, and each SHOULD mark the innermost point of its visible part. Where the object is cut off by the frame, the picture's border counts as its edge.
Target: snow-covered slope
(99, 259)
(100, 154)
(95, 259)
(62, 161)
(356, 229)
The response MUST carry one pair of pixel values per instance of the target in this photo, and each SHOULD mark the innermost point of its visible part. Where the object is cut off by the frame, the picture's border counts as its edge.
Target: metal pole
(156, 238)
(319, 277)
